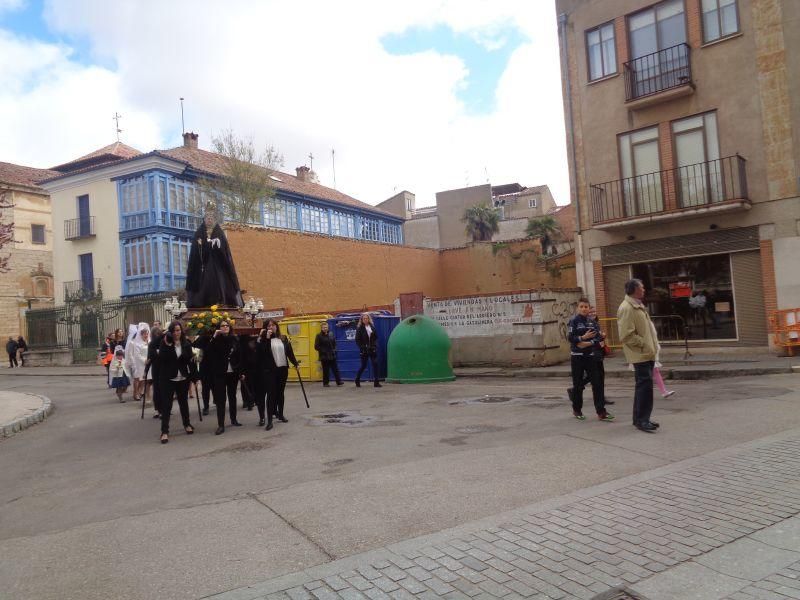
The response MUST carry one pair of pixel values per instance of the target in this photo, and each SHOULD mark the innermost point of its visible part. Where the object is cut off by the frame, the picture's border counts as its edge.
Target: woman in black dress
(211, 277)
(274, 353)
(176, 369)
(225, 363)
(367, 340)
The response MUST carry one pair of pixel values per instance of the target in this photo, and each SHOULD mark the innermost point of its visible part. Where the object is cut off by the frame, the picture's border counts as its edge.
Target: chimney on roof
(306, 174)
(190, 140)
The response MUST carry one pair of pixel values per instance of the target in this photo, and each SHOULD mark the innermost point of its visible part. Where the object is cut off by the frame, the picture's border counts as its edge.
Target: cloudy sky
(422, 95)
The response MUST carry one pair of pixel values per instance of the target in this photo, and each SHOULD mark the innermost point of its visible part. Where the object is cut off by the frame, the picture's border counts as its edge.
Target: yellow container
(302, 331)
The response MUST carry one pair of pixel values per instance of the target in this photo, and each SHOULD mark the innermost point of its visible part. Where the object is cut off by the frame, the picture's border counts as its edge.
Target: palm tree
(545, 229)
(482, 222)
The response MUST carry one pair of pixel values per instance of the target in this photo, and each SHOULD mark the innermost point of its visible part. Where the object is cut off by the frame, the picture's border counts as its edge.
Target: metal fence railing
(82, 325)
(657, 72)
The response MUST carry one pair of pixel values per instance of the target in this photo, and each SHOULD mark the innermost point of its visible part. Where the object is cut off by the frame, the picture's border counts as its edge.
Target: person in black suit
(176, 369)
(224, 361)
(249, 364)
(367, 340)
(325, 344)
(274, 353)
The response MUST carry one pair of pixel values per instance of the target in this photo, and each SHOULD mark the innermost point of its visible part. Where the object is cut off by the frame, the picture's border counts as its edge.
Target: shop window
(693, 292)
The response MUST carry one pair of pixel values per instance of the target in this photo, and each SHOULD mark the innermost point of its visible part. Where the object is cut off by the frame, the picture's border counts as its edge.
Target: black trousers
(373, 359)
(207, 380)
(265, 394)
(643, 396)
(583, 366)
(225, 385)
(169, 390)
(279, 387)
(333, 366)
(249, 390)
(156, 390)
(12, 360)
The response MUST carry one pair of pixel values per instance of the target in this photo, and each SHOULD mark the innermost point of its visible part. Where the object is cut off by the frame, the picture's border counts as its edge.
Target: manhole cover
(537, 400)
(480, 429)
(347, 418)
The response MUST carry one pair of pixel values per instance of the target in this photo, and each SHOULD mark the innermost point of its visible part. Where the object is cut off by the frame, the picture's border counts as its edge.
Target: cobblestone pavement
(619, 537)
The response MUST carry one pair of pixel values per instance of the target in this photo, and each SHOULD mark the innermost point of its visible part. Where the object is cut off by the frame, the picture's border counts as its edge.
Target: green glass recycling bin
(419, 352)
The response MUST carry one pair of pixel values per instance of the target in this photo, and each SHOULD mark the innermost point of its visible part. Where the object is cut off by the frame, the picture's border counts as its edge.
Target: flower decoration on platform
(207, 321)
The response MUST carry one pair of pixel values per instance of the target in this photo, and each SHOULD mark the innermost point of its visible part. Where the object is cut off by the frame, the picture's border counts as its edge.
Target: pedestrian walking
(139, 352)
(367, 341)
(119, 378)
(275, 353)
(249, 364)
(22, 348)
(637, 335)
(225, 363)
(325, 345)
(584, 337)
(176, 370)
(11, 349)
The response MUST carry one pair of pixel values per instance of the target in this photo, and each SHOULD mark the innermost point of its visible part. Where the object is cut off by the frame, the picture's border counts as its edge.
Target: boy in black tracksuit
(584, 334)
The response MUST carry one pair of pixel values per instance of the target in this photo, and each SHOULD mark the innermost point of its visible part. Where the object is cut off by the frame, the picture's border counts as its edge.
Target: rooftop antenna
(486, 171)
(116, 118)
(333, 160)
(183, 126)
(311, 158)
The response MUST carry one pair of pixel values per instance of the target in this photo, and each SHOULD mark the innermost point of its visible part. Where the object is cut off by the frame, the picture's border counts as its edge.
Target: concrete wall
(422, 232)
(524, 328)
(786, 252)
(398, 204)
(450, 206)
(307, 273)
(104, 246)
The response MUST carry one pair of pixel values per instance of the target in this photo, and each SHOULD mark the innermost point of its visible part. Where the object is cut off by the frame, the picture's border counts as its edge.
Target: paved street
(94, 507)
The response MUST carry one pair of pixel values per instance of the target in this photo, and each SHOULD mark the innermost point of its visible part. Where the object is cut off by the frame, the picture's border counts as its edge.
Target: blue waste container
(348, 357)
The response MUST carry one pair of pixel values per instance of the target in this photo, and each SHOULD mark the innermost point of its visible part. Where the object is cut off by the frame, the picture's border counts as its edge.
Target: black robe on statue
(211, 277)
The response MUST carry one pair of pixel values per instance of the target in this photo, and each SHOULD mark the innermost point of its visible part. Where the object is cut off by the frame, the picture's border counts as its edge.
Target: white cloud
(306, 76)
(11, 5)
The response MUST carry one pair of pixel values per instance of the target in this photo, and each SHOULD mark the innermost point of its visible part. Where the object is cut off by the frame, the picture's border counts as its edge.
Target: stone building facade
(683, 133)
(29, 280)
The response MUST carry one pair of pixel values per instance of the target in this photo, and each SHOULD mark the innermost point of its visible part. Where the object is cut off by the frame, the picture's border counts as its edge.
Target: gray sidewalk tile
(689, 582)
(748, 559)
(784, 535)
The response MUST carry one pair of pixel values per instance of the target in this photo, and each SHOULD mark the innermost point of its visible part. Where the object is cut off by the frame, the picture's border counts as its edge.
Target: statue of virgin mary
(211, 277)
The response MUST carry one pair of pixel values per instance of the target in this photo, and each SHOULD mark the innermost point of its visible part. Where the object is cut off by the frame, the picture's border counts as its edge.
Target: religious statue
(211, 277)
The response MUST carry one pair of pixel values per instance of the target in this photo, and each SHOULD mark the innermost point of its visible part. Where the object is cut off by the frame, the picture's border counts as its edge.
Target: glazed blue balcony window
(343, 225)
(370, 229)
(315, 219)
(391, 233)
(280, 213)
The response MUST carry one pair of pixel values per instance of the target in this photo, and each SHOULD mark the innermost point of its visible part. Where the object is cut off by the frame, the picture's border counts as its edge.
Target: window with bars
(315, 219)
(280, 213)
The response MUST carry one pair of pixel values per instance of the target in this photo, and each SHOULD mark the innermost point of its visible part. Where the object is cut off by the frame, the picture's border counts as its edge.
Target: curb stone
(41, 413)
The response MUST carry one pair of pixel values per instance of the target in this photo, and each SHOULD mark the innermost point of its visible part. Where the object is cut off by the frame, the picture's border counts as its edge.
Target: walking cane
(302, 387)
(197, 397)
(144, 396)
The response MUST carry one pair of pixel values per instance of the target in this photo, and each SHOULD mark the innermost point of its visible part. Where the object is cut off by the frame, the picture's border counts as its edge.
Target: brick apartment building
(683, 133)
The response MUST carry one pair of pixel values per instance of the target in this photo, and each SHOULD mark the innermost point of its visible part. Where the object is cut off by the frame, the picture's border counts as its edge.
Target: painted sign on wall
(483, 315)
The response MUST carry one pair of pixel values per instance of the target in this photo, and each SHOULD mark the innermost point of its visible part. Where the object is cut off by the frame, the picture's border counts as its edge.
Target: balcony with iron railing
(659, 76)
(693, 190)
(82, 290)
(76, 229)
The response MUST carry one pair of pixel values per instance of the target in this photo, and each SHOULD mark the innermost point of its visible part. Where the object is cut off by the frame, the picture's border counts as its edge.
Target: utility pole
(183, 127)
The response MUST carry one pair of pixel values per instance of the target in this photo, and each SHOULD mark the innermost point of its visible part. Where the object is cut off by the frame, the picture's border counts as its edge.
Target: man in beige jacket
(637, 334)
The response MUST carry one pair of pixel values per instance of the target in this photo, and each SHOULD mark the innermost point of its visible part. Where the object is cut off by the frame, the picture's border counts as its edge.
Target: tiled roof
(25, 176)
(112, 152)
(213, 163)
